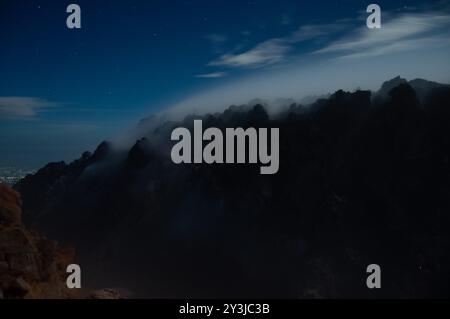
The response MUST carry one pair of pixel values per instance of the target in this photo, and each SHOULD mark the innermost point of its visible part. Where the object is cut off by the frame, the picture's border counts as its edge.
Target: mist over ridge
(353, 166)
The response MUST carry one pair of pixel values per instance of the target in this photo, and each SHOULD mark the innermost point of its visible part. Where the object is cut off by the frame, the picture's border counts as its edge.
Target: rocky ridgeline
(30, 265)
(364, 178)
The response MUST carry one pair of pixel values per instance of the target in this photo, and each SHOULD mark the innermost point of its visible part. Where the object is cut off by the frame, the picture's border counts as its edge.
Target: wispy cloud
(275, 50)
(399, 32)
(400, 46)
(266, 53)
(308, 32)
(406, 32)
(22, 107)
(213, 75)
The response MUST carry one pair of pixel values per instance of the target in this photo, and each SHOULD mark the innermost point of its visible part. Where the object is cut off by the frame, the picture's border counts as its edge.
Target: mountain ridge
(351, 168)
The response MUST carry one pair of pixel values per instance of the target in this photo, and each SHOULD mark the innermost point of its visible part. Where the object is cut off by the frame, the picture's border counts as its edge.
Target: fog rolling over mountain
(364, 178)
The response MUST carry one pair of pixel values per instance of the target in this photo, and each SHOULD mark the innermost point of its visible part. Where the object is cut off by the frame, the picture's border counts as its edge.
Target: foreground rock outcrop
(30, 265)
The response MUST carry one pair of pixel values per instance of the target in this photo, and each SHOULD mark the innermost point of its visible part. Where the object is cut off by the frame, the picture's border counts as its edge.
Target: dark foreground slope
(361, 181)
(31, 266)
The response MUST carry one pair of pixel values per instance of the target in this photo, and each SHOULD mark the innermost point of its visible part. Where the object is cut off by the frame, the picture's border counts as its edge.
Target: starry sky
(62, 91)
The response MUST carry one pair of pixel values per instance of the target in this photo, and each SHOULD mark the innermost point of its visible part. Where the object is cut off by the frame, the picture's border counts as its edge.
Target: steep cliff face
(30, 265)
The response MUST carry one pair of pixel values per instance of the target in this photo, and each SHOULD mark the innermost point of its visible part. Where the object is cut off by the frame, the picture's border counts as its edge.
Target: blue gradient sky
(63, 91)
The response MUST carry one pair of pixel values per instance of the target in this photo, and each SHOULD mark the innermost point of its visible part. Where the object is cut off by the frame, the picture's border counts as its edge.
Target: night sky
(62, 91)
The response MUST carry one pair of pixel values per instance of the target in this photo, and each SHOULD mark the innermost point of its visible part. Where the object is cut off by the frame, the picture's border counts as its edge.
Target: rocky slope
(30, 265)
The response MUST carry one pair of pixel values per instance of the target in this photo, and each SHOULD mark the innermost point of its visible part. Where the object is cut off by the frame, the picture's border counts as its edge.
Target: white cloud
(213, 75)
(266, 53)
(22, 107)
(402, 33)
(401, 46)
(398, 33)
(275, 50)
(308, 32)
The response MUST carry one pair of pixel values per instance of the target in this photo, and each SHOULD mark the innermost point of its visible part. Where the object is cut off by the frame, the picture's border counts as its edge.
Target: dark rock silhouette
(421, 87)
(362, 180)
